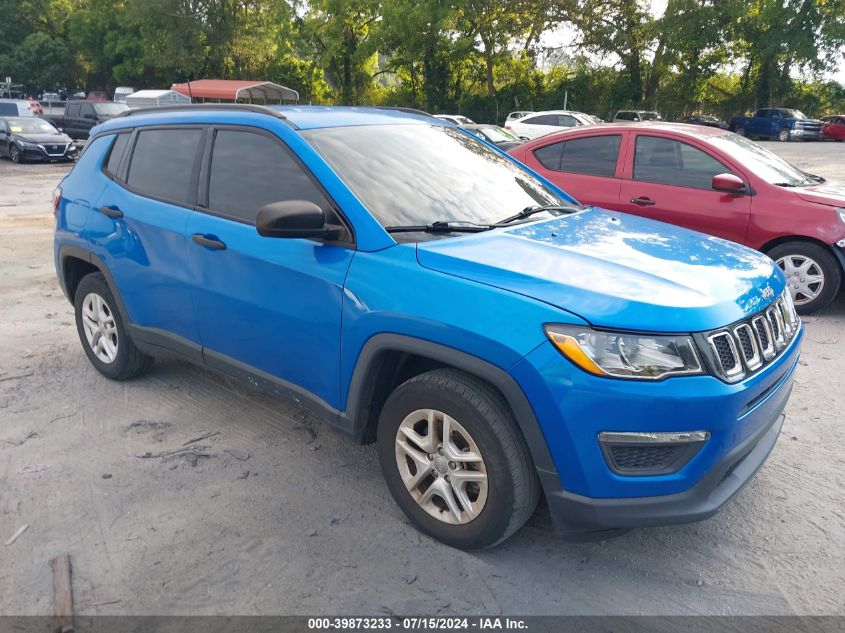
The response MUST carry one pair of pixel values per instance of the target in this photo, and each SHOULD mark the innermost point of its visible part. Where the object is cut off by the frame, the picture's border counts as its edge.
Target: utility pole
(565, 99)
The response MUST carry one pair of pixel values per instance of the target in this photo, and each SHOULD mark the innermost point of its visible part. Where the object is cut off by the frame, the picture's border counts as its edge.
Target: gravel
(248, 520)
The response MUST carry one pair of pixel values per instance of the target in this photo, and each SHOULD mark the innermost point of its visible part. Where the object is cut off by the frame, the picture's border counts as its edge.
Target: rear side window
(593, 155)
(162, 164)
(549, 155)
(543, 119)
(116, 153)
(671, 162)
(250, 170)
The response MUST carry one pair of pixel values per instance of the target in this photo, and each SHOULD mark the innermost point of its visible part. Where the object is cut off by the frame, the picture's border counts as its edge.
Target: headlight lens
(623, 355)
(841, 214)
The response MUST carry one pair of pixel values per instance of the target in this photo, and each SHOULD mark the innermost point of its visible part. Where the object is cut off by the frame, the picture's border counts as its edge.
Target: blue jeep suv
(414, 287)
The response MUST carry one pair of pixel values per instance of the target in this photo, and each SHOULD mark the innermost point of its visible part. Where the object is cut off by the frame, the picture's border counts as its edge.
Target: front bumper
(50, 152)
(588, 500)
(805, 135)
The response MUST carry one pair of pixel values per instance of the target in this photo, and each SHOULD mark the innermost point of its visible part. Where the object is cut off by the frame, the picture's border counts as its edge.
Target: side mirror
(291, 218)
(729, 184)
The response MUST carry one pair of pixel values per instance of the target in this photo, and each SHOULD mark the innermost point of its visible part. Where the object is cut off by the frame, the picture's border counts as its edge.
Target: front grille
(745, 347)
(627, 458)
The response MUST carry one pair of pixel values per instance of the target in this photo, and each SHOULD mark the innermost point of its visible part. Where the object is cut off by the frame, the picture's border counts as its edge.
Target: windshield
(766, 165)
(108, 108)
(498, 135)
(31, 125)
(428, 173)
(793, 114)
(650, 116)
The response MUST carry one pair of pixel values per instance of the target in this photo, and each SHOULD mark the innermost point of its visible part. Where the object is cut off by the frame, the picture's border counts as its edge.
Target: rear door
(586, 167)
(140, 229)
(671, 180)
(273, 304)
(87, 119)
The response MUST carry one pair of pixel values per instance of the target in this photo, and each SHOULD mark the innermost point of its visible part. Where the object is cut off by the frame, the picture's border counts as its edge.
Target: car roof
(557, 112)
(300, 117)
(682, 129)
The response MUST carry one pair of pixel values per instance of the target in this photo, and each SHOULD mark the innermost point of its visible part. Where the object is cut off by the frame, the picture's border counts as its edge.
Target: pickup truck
(783, 124)
(78, 117)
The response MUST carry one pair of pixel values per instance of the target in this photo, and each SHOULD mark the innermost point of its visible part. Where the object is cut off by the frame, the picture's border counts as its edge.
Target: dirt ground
(272, 513)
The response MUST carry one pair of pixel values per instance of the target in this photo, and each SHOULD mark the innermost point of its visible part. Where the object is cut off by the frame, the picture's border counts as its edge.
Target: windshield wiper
(814, 178)
(529, 211)
(784, 184)
(441, 226)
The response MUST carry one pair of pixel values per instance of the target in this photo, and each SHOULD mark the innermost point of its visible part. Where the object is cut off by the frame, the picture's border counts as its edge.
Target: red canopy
(236, 90)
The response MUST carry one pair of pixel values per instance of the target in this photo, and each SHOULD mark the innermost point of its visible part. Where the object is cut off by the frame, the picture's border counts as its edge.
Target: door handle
(112, 212)
(643, 202)
(209, 242)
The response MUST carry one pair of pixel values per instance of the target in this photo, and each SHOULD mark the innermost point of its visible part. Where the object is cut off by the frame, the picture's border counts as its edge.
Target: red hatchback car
(833, 127)
(709, 180)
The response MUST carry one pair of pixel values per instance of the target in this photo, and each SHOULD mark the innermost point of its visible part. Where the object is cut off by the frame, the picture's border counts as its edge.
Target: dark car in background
(784, 124)
(707, 121)
(80, 116)
(33, 139)
(494, 134)
(833, 127)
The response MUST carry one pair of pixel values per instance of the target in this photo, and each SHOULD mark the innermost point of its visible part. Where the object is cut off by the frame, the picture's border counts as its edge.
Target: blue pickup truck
(783, 124)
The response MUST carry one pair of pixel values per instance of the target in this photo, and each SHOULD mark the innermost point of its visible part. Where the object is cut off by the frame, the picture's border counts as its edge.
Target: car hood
(616, 270)
(832, 193)
(49, 139)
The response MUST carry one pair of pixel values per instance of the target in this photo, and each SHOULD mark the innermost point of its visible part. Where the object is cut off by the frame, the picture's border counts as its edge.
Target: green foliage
(477, 57)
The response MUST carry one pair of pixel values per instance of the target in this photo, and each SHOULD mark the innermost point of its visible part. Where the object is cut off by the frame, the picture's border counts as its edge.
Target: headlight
(29, 145)
(623, 355)
(841, 214)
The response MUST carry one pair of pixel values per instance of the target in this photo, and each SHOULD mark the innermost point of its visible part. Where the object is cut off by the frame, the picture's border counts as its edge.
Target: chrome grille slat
(745, 347)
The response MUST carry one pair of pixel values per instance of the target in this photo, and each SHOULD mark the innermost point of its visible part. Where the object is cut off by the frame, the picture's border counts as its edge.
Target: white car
(513, 116)
(457, 119)
(539, 124)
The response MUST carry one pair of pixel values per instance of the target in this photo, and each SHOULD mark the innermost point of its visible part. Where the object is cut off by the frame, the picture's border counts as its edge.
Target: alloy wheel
(441, 466)
(100, 327)
(804, 277)
(14, 154)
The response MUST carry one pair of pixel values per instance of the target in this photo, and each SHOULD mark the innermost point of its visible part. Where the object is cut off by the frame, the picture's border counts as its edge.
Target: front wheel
(740, 130)
(15, 154)
(813, 275)
(455, 461)
(783, 135)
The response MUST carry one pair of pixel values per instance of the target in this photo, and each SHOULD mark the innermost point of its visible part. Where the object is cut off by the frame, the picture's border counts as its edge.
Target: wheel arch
(785, 239)
(75, 263)
(387, 360)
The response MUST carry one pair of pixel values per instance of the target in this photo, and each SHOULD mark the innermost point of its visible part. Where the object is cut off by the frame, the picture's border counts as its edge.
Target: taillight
(57, 197)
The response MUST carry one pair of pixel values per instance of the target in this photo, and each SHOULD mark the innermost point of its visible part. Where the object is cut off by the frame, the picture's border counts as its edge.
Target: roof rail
(242, 107)
(403, 109)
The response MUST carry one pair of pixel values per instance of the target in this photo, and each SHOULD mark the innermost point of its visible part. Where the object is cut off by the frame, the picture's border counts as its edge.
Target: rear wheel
(813, 275)
(455, 461)
(103, 332)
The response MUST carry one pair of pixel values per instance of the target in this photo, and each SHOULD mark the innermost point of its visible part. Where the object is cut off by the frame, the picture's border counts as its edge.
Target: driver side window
(670, 162)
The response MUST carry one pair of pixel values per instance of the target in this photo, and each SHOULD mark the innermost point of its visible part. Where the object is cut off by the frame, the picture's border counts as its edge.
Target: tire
(791, 256)
(15, 154)
(783, 135)
(740, 130)
(492, 509)
(110, 349)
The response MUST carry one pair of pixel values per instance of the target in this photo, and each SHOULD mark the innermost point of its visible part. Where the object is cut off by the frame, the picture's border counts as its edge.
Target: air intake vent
(727, 354)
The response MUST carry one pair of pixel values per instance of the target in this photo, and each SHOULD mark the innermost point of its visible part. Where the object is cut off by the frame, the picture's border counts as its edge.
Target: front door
(269, 303)
(671, 181)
